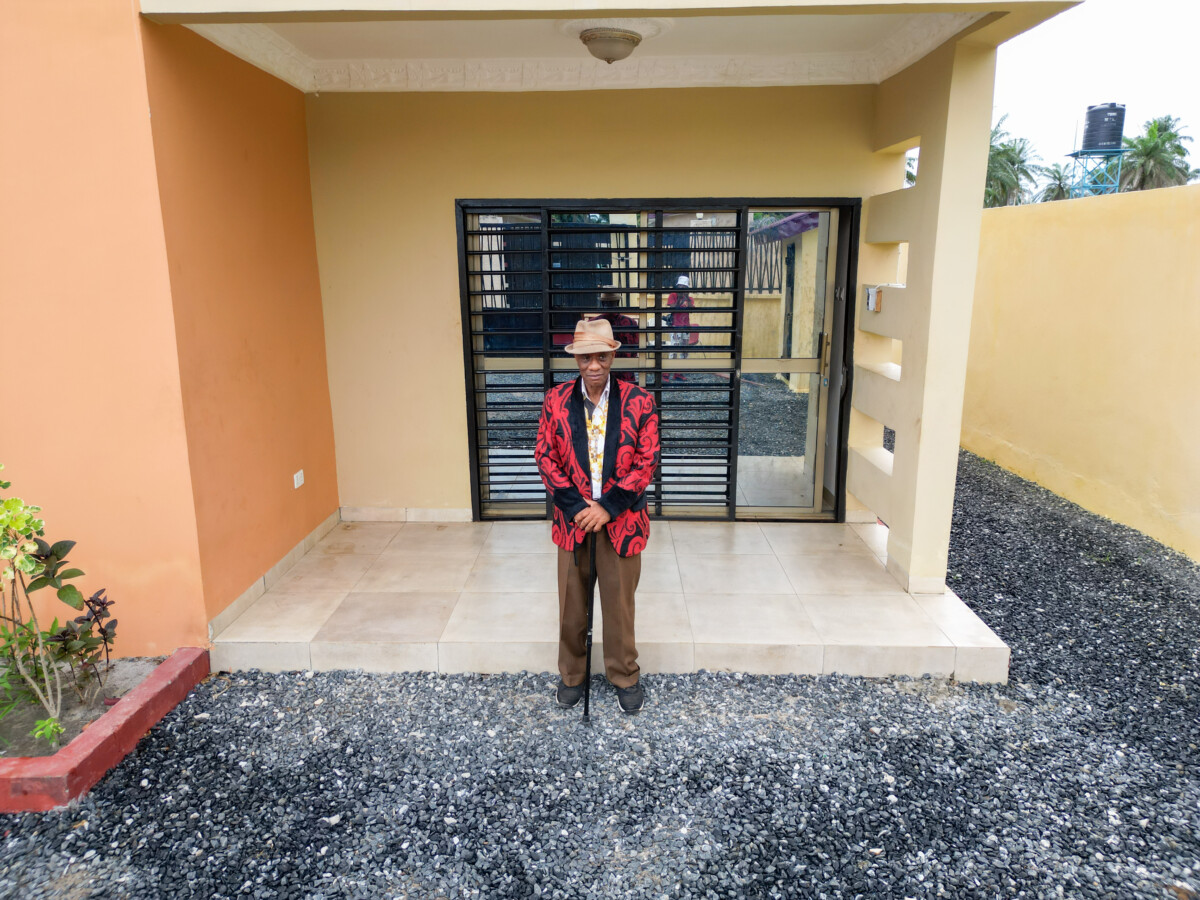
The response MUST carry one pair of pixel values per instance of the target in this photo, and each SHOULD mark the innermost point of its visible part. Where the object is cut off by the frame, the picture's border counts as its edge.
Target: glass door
(725, 313)
(786, 339)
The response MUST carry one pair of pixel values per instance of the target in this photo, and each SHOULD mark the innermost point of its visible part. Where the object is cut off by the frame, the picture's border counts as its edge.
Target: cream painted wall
(387, 168)
(1082, 369)
(942, 104)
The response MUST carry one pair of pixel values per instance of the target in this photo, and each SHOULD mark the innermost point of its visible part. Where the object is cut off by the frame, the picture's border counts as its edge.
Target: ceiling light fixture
(610, 44)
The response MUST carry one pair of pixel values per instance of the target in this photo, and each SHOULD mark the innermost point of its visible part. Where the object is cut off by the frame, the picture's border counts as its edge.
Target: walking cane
(591, 601)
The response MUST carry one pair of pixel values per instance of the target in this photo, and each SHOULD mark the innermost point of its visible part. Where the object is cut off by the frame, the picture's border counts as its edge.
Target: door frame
(845, 293)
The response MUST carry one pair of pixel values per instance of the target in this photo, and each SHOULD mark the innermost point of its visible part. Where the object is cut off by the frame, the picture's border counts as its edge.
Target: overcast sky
(1143, 53)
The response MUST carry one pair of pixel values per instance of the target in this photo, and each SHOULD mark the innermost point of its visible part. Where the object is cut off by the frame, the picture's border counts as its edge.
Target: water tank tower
(1097, 168)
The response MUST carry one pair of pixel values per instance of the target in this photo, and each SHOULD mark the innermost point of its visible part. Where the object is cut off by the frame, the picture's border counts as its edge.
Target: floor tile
(661, 539)
(519, 537)
(529, 616)
(838, 573)
(750, 619)
(495, 632)
(367, 538)
(654, 658)
(279, 616)
(660, 575)
(510, 656)
(875, 536)
(870, 661)
(328, 656)
(702, 538)
(240, 656)
(417, 572)
(811, 538)
(389, 617)
(661, 618)
(957, 621)
(760, 659)
(726, 573)
(883, 620)
(514, 572)
(319, 572)
(662, 631)
(987, 665)
(454, 538)
(666, 657)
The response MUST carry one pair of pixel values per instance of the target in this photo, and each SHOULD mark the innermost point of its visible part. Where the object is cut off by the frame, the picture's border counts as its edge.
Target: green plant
(48, 729)
(31, 660)
(25, 649)
(82, 642)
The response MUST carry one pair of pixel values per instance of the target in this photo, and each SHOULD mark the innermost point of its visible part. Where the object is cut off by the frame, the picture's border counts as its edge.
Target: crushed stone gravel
(1076, 780)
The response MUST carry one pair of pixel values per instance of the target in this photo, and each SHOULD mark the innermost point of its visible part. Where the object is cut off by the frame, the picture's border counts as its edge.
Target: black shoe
(568, 696)
(631, 698)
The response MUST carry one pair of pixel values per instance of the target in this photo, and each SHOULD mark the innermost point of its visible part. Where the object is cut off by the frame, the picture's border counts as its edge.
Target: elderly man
(597, 449)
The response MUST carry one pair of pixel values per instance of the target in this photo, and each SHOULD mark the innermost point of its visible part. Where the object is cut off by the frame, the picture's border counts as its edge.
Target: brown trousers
(618, 579)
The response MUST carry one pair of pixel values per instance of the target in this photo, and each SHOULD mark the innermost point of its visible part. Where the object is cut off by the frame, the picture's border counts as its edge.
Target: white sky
(1143, 53)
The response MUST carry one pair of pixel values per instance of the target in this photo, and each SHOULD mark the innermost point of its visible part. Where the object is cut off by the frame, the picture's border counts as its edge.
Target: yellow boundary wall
(1084, 344)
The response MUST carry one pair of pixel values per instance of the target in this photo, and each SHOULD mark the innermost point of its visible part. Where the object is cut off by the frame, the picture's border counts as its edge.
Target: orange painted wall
(93, 425)
(231, 149)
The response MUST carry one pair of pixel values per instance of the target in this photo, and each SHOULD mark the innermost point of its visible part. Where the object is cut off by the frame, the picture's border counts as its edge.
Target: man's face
(593, 368)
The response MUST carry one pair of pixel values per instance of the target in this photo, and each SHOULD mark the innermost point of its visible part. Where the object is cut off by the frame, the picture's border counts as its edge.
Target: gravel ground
(1077, 780)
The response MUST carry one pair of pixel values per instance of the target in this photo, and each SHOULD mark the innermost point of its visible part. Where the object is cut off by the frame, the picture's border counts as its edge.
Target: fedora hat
(592, 335)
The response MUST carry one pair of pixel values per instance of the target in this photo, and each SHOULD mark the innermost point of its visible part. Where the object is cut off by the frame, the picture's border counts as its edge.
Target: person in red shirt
(680, 301)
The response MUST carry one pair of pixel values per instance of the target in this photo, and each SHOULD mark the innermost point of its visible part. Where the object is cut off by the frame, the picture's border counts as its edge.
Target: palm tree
(1156, 158)
(1058, 184)
(1012, 169)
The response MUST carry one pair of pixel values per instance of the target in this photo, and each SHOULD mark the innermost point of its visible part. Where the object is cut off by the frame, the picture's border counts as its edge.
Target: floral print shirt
(597, 422)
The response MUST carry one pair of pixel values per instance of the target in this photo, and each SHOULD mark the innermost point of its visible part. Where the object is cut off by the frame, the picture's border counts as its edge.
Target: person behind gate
(597, 450)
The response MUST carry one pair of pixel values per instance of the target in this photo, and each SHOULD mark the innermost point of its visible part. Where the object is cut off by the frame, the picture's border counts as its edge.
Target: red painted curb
(39, 783)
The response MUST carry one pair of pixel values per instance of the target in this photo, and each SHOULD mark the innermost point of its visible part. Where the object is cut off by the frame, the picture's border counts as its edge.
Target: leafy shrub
(32, 660)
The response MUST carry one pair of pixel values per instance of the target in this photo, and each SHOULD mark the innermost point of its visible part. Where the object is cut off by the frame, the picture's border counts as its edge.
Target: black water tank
(1104, 125)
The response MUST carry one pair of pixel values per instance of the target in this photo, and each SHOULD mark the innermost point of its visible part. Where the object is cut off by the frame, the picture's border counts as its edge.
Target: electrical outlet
(298, 479)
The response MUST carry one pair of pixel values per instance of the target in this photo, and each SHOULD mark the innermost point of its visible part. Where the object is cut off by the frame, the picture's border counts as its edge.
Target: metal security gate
(530, 270)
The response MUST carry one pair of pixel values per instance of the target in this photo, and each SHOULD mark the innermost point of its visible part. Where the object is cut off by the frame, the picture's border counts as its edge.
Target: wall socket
(298, 479)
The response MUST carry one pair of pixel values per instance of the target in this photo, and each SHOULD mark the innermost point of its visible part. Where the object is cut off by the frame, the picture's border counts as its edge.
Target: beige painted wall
(1082, 369)
(942, 104)
(387, 168)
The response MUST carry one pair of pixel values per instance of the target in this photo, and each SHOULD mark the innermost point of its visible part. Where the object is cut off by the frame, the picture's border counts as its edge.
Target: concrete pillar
(943, 104)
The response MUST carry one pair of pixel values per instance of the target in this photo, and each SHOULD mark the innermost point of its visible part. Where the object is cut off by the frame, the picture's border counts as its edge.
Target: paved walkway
(481, 597)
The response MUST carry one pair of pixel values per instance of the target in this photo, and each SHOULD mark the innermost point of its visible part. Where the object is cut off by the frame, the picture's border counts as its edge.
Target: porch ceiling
(538, 54)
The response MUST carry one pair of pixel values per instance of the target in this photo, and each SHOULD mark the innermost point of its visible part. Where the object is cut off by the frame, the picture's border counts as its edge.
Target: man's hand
(593, 518)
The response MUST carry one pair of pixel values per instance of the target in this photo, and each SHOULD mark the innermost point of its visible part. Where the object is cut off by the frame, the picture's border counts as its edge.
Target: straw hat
(592, 335)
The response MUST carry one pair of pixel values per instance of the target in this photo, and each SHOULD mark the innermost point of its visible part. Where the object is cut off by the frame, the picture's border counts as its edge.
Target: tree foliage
(1057, 184)
(1012, 169)
(1157, 157)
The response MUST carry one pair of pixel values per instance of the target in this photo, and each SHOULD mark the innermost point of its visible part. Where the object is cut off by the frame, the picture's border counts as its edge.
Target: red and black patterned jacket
(631, 454)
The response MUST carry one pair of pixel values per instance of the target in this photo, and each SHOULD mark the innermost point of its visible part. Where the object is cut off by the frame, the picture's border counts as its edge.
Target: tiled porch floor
(481, 597)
